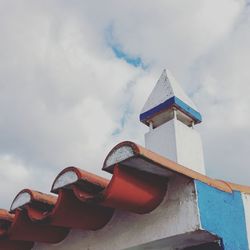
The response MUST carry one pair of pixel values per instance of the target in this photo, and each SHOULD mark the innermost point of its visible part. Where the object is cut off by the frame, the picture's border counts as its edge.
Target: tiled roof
(82, 200)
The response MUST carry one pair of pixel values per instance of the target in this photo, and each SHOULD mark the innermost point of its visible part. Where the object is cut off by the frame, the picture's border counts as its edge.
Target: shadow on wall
(207, 246)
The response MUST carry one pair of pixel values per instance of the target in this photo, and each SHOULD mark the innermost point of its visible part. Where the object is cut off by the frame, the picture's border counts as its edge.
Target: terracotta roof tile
(35, 198)
(24, 229)
(141, 154)
(88, 181)
(5, 215)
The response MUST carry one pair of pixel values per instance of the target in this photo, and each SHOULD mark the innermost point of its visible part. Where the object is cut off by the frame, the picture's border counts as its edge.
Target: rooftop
(81, 200)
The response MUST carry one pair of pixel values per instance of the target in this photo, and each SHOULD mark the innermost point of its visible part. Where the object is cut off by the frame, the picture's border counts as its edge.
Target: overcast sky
(74, 76)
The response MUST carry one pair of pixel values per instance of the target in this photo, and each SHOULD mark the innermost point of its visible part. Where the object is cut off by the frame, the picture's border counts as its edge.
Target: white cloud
(63, 93)
(14, 177)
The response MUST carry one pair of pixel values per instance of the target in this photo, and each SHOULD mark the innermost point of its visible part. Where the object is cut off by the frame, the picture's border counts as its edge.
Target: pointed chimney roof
(166, 94)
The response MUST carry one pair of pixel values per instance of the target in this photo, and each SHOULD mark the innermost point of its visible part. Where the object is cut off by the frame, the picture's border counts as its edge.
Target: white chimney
(171, 116)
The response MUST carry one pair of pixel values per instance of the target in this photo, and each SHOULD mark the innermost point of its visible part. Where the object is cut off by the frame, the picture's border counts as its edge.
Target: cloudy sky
(74, 76)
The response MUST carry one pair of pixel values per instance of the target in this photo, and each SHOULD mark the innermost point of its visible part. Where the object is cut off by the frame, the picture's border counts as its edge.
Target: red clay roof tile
(141, 153)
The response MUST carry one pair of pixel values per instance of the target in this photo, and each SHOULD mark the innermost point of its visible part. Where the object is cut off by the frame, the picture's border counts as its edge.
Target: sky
(74, 76)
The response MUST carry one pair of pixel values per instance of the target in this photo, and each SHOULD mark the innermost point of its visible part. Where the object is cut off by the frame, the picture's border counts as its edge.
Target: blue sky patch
(116, 47)
(126, 107)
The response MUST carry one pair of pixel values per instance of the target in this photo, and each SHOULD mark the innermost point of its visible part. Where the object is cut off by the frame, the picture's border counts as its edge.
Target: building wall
(189, 147)
(246, 203)
(176, 215)
(162, 140)
(223, 214)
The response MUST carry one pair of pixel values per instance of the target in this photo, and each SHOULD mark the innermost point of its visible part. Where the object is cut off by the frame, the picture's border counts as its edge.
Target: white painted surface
(177, 142)
(246, 202)
(65, 179)
(20, 200)
(162, 140)
(189, 147)
(119, 155)
(176, 215)
(165, 88)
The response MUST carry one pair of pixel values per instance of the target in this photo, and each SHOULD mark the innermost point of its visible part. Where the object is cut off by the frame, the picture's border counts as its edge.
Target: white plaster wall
(189, 147)
(177, 214)
(246, 202)
(177, 142)
(162, 140)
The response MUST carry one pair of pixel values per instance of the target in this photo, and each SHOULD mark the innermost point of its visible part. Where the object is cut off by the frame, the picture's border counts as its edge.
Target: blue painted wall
(223, 214)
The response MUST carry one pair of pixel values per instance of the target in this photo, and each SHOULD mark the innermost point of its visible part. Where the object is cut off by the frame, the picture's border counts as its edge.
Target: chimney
(171, 117)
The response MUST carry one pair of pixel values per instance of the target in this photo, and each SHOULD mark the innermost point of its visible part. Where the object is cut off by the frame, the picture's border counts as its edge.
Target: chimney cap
(167, 94)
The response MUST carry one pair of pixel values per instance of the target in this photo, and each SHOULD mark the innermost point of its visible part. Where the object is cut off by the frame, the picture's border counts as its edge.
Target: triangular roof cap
(166, 94)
